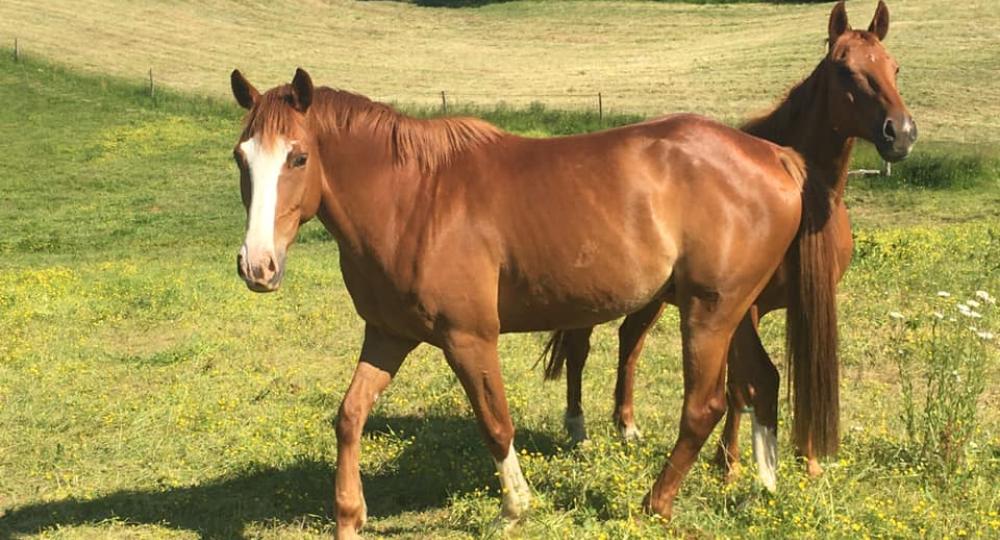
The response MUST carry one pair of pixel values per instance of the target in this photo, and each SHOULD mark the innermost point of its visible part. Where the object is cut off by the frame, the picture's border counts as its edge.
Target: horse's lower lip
(263, 287)
(892, 155)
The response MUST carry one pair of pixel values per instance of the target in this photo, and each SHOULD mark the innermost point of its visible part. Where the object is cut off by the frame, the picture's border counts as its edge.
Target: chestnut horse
(851, 93)
(451, 232)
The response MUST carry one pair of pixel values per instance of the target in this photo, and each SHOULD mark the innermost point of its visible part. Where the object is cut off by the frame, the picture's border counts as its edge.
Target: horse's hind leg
(577, 347)
(631, 337)
(473, 357)
(813, 468)
(381, 356)
(754, 381)
(707, 325)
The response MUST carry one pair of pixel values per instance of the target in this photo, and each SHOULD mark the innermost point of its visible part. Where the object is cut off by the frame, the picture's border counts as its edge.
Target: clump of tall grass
(942, 359)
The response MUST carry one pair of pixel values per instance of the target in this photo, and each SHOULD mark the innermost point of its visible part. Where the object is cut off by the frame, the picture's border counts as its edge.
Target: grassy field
(145, 393)
(645, 57)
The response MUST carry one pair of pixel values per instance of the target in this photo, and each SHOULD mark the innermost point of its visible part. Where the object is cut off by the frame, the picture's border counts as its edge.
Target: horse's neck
(369, 210)
(803, 122)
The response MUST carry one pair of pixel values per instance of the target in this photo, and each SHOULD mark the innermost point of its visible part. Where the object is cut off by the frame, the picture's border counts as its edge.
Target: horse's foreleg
(706, 330)
(576, 345)
(381, 356)
(631, 337)
(474, 359)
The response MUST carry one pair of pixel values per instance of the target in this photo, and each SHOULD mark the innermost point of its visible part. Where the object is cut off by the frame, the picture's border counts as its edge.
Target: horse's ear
(302, 90)
(838, 22)
(244, 92)
(880, 22)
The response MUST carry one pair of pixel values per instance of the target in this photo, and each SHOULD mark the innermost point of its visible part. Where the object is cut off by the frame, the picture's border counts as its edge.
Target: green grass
(144, 393)
(723, 60)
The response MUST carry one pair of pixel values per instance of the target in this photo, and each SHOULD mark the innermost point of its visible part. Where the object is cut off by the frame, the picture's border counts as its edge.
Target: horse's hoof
(629, 433)
(661, 510)
(732, 472)
(516, 504)
(502, 526)
(512, 514)
(813, 468)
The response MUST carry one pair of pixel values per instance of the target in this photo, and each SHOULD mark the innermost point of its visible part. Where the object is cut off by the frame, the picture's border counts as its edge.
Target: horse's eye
(299, 160)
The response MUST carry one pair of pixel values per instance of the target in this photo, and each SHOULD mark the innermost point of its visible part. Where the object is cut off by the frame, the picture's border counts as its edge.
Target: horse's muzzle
(262, 273)
(897, 138)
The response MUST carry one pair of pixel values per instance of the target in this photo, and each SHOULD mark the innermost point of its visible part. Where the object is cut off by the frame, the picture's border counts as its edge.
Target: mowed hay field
(725, 60)
(145, 393)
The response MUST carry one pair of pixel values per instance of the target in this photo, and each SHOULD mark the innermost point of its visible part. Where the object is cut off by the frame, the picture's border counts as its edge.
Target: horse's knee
(350, 421)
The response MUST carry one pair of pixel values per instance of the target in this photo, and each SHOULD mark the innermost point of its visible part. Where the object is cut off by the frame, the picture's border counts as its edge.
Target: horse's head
(279, 180)
(864, 99)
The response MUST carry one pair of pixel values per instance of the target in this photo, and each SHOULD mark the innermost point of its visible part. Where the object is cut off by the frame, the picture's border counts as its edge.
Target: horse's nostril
(889, 131)
(271, 265)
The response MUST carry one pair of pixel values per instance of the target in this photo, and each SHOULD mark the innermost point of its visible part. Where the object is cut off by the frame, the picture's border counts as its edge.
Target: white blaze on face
(265, 166)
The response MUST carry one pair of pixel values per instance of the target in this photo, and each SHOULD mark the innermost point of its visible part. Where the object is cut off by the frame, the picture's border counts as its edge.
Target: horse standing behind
(851, 93)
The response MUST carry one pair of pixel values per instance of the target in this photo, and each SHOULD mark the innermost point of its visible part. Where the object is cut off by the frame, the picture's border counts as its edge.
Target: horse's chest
(380, 301)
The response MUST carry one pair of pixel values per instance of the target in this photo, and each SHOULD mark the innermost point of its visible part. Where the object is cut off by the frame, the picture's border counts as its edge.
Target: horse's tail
(556, 350)
(811, 274)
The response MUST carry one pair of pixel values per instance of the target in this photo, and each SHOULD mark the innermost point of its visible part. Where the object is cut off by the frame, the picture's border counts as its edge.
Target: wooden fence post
(444, 103)
(152, 90)
(17, 51)
(600, 107)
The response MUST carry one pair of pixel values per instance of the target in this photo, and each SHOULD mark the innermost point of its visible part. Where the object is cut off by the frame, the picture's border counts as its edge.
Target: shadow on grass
(444, 457)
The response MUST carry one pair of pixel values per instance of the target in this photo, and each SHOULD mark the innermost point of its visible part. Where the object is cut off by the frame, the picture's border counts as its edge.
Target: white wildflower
(985, 297)
(944, 294)
(896, 315)
(938, 315)
(972, 303)
(985, 336)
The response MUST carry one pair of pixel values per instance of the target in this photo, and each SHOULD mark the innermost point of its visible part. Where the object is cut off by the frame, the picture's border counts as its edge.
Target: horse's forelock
(272, 117)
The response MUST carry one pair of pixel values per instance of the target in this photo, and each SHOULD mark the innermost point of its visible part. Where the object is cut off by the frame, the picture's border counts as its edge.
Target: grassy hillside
(645, 57)
(144, 393)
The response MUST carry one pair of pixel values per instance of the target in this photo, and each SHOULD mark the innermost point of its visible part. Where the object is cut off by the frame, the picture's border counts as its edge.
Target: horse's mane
(431, 143)
(776, 126)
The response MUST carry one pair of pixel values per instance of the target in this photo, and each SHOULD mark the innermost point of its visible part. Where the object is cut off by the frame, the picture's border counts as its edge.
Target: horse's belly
(577, 298)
